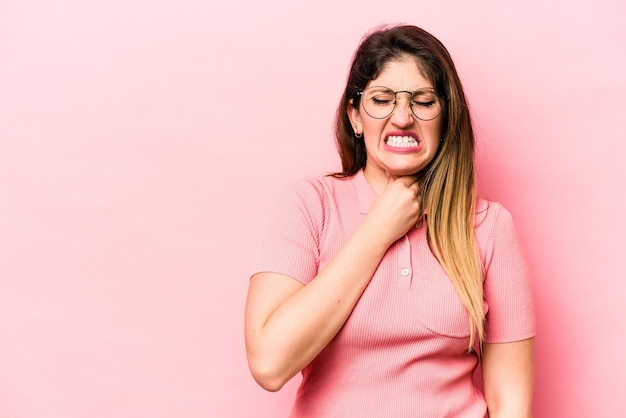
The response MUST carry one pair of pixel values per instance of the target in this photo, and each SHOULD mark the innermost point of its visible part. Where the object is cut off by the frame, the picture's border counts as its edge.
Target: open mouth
(404, 141)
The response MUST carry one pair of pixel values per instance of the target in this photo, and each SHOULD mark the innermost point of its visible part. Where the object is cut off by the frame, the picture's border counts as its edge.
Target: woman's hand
(396, 210)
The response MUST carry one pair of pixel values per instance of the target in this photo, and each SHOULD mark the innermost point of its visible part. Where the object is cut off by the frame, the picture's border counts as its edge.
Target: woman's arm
(508, 376)
(287, 324)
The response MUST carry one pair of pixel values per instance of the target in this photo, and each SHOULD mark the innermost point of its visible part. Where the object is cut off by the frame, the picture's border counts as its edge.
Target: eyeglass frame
(395, 101)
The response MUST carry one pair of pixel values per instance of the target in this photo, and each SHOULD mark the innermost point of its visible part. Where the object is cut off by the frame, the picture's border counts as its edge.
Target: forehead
(401, 74)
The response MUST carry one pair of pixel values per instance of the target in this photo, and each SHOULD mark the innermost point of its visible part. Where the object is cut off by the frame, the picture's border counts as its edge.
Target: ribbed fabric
(403, 350)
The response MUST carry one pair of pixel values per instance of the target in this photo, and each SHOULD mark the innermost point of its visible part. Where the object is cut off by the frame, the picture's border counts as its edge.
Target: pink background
(142, 144)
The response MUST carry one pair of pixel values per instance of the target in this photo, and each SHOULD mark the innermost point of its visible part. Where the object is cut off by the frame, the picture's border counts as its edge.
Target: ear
(355, 117)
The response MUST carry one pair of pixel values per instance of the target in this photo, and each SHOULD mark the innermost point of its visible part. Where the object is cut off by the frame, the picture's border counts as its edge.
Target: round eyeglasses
(379, 102)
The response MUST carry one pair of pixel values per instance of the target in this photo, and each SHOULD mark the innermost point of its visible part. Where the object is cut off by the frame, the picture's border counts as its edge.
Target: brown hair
(447, 184)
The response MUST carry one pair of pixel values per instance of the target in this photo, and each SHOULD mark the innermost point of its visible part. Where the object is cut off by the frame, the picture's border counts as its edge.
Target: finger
(408, 181)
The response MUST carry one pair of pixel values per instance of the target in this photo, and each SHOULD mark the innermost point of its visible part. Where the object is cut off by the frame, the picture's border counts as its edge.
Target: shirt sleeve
(510, 315)
(290, 245)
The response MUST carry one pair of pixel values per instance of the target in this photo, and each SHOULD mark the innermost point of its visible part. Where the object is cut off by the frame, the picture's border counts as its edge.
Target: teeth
(401, 141)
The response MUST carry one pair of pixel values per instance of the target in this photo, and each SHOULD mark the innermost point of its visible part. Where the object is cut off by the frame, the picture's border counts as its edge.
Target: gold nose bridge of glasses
(408, 95)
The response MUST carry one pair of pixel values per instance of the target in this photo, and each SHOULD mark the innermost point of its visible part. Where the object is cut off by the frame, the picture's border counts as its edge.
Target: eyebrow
(389, 88)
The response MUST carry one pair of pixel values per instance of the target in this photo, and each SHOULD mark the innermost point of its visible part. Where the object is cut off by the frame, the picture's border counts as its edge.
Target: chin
(407, 171)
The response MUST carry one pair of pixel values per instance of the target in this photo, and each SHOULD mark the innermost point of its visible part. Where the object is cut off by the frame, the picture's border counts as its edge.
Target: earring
(356, 134)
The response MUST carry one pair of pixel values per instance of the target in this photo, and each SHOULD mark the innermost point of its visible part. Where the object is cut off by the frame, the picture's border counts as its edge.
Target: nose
(402, 115)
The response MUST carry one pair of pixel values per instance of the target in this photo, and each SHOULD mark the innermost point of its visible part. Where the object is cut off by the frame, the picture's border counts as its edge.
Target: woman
(388, 283)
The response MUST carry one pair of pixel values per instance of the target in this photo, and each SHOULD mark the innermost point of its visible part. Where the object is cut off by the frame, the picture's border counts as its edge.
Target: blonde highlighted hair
(447, 184)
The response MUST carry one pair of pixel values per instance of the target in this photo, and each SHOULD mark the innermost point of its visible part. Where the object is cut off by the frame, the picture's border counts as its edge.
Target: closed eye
(424, 104)
(381, 101)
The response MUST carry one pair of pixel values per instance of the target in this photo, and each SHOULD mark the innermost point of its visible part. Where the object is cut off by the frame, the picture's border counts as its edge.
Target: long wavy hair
(447, 184)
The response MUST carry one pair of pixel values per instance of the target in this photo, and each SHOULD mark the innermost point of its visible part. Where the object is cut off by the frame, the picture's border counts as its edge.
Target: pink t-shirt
(403, 350)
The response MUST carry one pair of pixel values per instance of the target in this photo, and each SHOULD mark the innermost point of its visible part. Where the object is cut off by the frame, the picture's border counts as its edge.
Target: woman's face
(399, 144)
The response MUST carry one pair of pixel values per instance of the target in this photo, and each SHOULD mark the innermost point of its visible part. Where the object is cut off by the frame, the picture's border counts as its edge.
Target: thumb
(408, 181)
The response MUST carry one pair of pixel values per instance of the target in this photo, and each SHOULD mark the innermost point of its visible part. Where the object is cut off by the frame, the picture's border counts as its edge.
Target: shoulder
(489, 214)
(313, 197)
(490, 218)
(320, 189)
(494, 228)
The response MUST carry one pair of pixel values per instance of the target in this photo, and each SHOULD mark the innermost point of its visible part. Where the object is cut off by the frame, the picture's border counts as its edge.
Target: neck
(377, 179)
